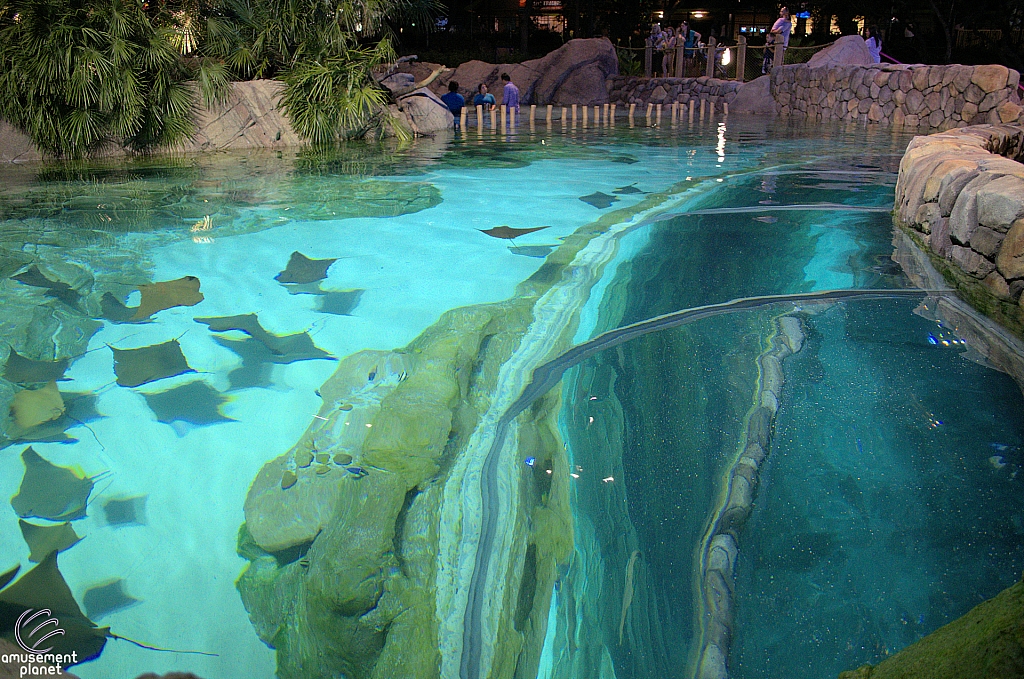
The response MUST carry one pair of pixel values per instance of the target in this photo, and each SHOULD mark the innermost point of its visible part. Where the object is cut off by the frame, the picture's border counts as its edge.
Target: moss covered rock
(987, 643)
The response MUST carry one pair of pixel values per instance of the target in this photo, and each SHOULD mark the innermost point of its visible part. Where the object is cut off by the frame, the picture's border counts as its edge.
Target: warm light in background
(726, 57)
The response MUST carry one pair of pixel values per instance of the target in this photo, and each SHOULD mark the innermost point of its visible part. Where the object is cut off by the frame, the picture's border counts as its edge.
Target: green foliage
(79, 75)
(336, 97)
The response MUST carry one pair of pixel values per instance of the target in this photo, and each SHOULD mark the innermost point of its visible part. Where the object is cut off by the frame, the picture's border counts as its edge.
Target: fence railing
(743, 63)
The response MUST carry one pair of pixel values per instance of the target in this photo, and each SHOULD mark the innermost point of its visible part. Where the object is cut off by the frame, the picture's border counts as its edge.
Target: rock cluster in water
(721, 546)
(961, 193)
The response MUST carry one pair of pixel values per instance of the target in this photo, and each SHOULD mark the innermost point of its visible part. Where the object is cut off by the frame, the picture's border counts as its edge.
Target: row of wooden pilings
(602, 114)
(711, 54)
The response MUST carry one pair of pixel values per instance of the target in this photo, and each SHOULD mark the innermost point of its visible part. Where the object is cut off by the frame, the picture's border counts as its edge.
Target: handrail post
(780, 50)
(679, 60)
(741, 58)
(712, 47)
(648, 59)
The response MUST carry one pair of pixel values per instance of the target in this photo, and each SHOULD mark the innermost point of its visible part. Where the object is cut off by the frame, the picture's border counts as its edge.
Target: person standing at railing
(874, 44)
(668, 48)
(689, 38)
(780, 31)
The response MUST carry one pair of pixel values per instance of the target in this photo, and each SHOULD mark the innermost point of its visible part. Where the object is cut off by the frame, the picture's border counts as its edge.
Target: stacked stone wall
(913, 95)
(643, 91)
(961, 194)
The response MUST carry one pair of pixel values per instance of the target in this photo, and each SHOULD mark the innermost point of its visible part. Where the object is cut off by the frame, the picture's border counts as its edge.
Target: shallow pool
(285, 401)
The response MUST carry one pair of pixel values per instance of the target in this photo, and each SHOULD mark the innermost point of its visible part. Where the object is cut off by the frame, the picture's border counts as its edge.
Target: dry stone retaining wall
(961, 193)
(643, 91)
(914, 95)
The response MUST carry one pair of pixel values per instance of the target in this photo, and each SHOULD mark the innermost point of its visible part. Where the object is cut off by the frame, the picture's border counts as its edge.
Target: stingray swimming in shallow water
(627, 190)
(287, 348)
(50, 492)
(106, 598)
(135, 367)
(43, 540)
(194, 403)
(21, 370)
(509, 232)
(43, 588)
(154, 297)
(55, 289)
(302, 269)
(599, 200)
(126, 511)
(79, 408)
(32, 407)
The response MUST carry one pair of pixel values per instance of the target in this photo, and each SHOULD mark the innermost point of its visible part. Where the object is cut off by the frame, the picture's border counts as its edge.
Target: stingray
(56, 289)
(625, 190)
(44, 540)
(107, 598)
(340, 303)
(540, 251)
(155, 297)
(135, 367)
(286, 348)
(508, 232)
(599, 200)
(80, 408)
(22, 370)
(126, 511)
(196, 403)
(302, 269)
(628, 160)
(32, 407)
(44, 589)
(50, 492)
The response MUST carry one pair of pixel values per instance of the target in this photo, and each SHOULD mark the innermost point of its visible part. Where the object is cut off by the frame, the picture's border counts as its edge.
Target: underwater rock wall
(961, 194)
(915, 95)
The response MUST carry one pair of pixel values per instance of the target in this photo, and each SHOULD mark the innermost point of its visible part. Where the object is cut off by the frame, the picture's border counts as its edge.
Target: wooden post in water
(632, 110)
(479, 118)
(692, 102)
(504, 117)
(494, 120)
(597, 115)
(675, 111)
(712, 56)
(533, 111)
(607, 108)
(564, 117)
(741, 58)
(611, 116)
(584, 115)
(712, 108)
(573, 114)
(462, 118)
(725, 108)
(703, 105)
(511, 117)
(658, 119)
(547, 117)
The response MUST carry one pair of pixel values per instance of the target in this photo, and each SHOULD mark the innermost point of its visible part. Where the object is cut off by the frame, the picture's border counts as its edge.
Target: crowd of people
(456, 102)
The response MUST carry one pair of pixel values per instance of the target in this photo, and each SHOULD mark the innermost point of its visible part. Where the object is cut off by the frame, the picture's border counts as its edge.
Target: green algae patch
(986, 643)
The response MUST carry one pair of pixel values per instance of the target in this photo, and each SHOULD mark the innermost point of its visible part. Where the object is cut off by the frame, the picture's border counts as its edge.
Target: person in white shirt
(780, 31)
(874, 44)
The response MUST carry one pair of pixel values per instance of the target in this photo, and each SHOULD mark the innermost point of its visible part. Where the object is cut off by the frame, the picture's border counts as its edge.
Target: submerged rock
(987, 642)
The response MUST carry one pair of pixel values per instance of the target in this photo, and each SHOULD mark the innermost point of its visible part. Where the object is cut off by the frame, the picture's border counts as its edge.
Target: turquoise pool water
(350, 406)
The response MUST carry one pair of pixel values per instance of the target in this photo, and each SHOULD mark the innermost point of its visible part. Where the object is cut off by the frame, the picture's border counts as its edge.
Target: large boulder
(754, 97)
(250, 118)
(425, 113)
(849, 49)
(575, 73)
(15, 146)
